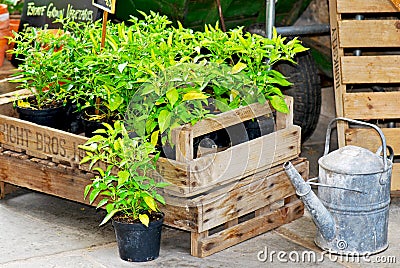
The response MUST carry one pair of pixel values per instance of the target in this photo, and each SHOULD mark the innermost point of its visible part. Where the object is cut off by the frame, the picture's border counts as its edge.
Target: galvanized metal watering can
(351, 211)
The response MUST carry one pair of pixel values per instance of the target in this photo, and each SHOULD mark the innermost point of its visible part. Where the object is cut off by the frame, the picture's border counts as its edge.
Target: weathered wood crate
(238, 211)
(365, 39)
(187, 175)
(217, 219)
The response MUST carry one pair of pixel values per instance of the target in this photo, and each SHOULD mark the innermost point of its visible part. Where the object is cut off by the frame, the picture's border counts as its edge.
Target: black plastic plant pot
(89, 126)
(136, 242)
(50, 117)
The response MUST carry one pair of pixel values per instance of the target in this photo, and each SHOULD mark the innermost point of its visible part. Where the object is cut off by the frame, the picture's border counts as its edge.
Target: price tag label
(106, 5)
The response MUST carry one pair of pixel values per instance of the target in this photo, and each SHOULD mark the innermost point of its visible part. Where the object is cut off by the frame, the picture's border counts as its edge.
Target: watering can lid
(352, 160)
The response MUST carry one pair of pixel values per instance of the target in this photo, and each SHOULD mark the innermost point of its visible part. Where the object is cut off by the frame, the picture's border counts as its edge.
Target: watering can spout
(320, 215)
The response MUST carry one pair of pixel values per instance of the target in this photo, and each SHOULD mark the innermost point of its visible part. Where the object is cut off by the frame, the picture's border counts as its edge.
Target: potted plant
(124, 187)
(45, 73)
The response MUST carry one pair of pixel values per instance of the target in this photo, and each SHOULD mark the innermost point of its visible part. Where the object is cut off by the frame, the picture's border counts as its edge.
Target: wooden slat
(285, 120)
(216, 192)
(395, 178)
(337, 54)
(49, 142)
(250, 228)
(372, 105)
(365, 6)
(369, 138)
(183, 140)
(259, 154)
(12, 96)
(227, 119)
(249, 198)
(370, 69)
(65, 183)
(173, 172)
(195, 249)
(369, 33)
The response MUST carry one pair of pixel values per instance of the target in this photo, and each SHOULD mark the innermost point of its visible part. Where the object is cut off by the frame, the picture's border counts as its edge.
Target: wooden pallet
(187, 175)
(218, 219)
(377, 36)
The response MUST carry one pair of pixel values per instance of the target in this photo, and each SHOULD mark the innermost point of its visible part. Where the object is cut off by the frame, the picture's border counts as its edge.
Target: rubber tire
(306, 88)
(306, 92)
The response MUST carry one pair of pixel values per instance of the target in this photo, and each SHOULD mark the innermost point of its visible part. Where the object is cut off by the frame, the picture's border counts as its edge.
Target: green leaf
(109, 216)
(108, 126)
(100, 170)
(123, 176)
(172, 96)
(85, 159)
(154, 137)
(194, 96)
(115, 101)
(95, 138)
(89, 148)
(278, 78)
(162, 184)
(279, 104)
(93, 195)
(238, 67)
(87, 189)
(144, 219)
(102, 203)
(150, 202)
(164, 120)
(160, 198)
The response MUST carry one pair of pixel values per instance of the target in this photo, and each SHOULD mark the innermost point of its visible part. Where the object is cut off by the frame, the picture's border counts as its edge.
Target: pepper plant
(123, 185)
(45, 66)
(186, 93)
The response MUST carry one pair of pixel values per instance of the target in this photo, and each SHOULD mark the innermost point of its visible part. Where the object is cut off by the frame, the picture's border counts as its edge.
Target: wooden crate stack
(365, 37)
(222, 198)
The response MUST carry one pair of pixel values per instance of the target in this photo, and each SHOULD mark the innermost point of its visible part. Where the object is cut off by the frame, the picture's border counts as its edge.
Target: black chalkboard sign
(106, 5)
(38, 13)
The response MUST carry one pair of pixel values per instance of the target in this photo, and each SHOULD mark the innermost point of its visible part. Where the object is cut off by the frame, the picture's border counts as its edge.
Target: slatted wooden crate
(367, 84)
(238, 211)
(187, 175)
(218, 219)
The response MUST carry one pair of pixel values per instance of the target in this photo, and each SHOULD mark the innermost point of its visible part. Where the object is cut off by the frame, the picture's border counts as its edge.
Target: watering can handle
(383, 139)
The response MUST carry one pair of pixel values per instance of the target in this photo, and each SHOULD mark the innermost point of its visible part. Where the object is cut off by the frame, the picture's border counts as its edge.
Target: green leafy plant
(186, 93)
(44, 68)
(124, 183)
(128, 59)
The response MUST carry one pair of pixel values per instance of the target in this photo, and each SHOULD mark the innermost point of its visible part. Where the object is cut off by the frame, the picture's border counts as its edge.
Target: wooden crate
(358, 79)
(187, 175)
(238, 211)
(220, 218)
